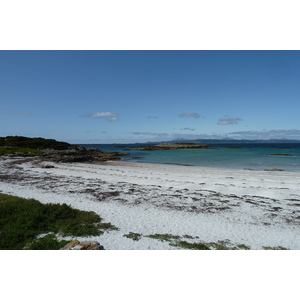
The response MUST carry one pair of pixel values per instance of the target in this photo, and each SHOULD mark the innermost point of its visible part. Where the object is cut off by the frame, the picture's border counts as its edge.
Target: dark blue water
(251, 155)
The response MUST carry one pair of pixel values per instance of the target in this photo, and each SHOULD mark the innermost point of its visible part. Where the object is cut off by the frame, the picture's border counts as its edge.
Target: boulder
(76, 245)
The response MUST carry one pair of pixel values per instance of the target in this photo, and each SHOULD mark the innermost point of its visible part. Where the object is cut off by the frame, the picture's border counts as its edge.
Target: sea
(254, 156)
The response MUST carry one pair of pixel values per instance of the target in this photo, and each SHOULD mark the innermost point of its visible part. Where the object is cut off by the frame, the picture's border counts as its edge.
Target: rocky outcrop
(76, 245)
(81, 154)
(171, 146)
(53, 150)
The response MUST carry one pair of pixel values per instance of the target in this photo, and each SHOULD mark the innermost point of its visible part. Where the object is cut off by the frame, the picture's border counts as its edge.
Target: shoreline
(206, 167)
(254, 208)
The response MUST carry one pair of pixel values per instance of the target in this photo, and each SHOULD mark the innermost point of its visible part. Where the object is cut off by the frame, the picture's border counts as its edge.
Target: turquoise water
(257, 157)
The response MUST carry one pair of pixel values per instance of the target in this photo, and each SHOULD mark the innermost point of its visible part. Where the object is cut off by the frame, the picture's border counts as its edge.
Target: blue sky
(140, 96)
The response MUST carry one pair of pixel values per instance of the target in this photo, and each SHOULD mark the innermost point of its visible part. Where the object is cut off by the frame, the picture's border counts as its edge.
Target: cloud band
(104, 115)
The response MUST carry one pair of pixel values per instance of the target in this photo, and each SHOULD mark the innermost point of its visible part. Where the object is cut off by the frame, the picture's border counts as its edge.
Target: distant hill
(34, 143)
(234, 141)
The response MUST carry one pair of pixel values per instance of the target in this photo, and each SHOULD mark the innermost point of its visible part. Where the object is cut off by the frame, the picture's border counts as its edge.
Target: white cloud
(105, 115)
(170, 136)
(151, 133)
(186, 128)
(187, 115)
(228, 120)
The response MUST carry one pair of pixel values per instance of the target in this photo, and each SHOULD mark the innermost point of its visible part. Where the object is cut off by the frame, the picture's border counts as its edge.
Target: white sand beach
(254, 208)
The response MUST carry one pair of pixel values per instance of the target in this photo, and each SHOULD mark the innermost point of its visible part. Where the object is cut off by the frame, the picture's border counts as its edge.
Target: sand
(254, 208)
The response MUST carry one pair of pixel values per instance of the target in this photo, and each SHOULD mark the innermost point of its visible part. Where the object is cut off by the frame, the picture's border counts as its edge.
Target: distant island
(173, 146)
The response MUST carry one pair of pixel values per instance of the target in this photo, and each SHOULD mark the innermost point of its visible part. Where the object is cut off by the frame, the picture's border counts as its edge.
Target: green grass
(176, 241)
(164, 237)
(48, 242)
(221, 245)
(106, 226)
(192, 246)
(243, 246)
(13, 150)
(23, 220)
(274, 248)
(134, 236)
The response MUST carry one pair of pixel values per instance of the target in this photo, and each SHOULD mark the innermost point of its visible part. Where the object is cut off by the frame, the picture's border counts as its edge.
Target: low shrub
(22, 220)
(14, 150)
(49, 242)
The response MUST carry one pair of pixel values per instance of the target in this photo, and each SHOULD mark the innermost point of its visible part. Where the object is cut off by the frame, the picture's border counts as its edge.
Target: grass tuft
(192, 246)
(134, 236)
(163, 237)
(107, 226)
(243, 246)
(274, 248)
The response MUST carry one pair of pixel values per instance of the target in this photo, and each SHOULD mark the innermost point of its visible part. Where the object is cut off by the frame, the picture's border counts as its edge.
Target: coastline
(199, 204)
(208, 167)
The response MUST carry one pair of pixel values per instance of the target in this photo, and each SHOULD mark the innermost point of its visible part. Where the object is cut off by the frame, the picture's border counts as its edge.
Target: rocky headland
(52, 150)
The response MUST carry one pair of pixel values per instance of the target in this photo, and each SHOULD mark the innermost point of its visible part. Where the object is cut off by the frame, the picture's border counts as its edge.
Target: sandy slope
(255, 208)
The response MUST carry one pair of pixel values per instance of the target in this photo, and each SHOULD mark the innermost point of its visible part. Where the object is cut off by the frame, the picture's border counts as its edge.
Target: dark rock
(48, 167)
(81, 155)
(76, 245)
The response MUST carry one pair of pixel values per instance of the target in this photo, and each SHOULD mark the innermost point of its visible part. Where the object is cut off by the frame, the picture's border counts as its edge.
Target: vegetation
(14, 150)
(106, 227)
(221, 245)
(192, 246)
(242, 246)
(134, 236)
(176, 241)
(33, 143)
(23, 220)
(49, 242)
(164, 237)
(274, 248)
